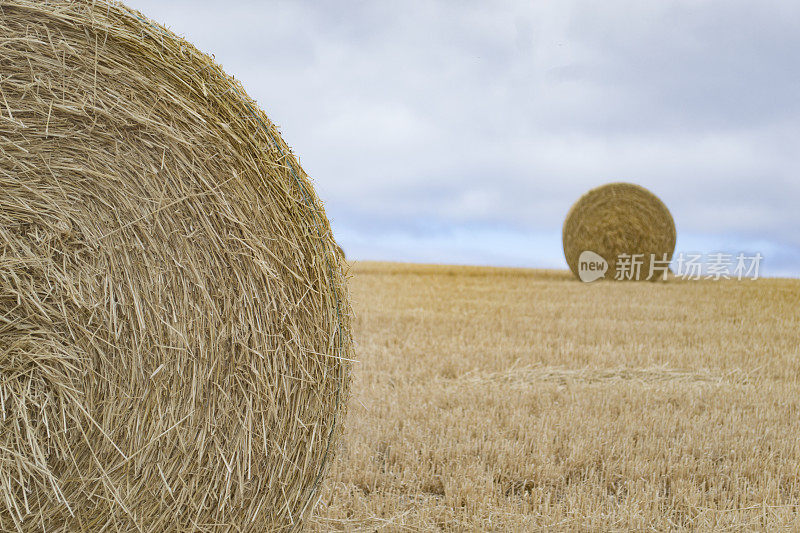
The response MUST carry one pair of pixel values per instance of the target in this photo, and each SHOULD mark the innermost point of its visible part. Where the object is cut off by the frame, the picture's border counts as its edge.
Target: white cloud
(486, 117)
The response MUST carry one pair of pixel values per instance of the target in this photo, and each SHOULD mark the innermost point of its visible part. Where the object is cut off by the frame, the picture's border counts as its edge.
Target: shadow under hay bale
(174, 320)
(619, 220)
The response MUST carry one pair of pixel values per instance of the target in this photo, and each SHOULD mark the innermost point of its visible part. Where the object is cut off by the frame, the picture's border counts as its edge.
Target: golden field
(521, 400)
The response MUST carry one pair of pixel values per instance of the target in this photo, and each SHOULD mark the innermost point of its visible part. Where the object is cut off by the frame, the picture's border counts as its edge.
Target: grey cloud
(456, 116)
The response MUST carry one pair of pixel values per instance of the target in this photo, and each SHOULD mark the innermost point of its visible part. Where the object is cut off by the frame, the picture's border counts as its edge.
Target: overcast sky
(462, 132)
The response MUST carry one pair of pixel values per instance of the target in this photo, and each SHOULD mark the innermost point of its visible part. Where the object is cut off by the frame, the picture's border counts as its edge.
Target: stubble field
(518, 400)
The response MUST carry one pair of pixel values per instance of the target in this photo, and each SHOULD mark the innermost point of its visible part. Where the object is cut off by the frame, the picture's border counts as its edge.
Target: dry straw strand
(617, 219)
(175, 341)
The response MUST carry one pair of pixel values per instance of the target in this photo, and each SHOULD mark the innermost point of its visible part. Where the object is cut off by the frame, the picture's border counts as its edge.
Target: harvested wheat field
(521, 400)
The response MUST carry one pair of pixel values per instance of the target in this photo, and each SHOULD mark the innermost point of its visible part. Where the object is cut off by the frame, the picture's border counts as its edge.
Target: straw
(621, 222)
(175, 341)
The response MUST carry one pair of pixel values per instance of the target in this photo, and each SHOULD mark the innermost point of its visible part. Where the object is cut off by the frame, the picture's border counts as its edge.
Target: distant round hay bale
(620, 219)
(174, 320)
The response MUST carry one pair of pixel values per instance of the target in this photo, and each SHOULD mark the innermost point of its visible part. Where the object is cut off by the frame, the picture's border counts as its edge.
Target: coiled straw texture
(621, 219)
(174, 319)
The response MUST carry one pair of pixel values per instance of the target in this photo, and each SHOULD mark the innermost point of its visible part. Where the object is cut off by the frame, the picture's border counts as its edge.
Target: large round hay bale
(621, 222)
(174, 320)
